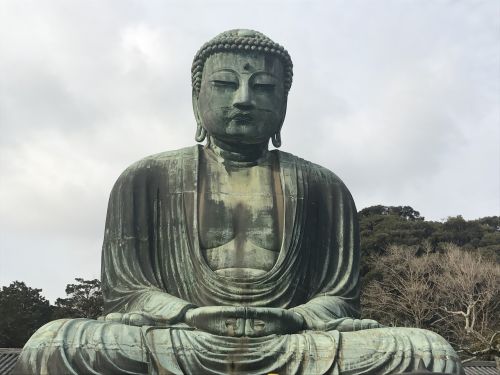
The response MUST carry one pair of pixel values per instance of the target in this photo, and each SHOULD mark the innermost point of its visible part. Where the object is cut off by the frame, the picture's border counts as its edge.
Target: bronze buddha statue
(229, 257)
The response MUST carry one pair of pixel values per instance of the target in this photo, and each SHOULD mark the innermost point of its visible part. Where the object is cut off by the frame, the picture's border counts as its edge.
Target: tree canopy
(22, 310)
(84, 300)
(382, 226)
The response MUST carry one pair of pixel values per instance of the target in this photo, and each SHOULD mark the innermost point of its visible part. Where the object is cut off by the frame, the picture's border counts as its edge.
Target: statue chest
(239, 217)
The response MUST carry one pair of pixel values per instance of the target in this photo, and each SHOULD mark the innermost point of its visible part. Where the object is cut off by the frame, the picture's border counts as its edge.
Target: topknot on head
(240, 40)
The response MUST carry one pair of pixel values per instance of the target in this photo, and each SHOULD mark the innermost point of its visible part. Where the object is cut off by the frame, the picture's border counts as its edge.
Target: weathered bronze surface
(230, 258)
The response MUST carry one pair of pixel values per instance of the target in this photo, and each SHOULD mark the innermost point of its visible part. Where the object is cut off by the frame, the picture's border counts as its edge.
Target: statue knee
(46, 333)
(438, 343)
(428, 338)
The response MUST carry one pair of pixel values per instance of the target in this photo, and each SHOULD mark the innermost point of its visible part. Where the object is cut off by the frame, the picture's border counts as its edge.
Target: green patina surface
(230, 258)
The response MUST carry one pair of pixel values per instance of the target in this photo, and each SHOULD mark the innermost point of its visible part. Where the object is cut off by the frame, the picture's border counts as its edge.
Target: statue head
(240, 81)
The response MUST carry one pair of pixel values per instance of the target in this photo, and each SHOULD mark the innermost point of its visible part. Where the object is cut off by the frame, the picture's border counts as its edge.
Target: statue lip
(242, 117)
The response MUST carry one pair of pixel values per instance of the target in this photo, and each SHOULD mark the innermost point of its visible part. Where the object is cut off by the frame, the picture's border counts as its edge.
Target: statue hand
(134, 319)
(218, 320)
(348, 324)
(265, 321)
(244, 321)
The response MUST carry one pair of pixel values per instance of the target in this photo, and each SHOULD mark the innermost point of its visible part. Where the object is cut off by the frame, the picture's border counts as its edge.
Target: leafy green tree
(22, 310)
(84, 300)
(404, 212)
(383, 226)
(459, 231)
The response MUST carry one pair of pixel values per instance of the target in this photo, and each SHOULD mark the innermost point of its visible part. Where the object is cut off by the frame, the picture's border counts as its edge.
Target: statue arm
(131, 279)
(330, 313)
(335, 283)
(152, 306)
(321, 311)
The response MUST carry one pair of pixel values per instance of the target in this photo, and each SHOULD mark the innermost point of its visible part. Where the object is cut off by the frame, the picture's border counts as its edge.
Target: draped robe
(152, 263)
(152, 260)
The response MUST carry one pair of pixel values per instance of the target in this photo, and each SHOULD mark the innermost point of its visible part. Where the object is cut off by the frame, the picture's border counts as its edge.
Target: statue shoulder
(317, 174)
(156, 165)
(163, 159)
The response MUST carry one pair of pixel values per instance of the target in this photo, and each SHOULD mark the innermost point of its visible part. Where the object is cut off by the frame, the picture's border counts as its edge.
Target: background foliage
(24, 309)
(441, 276)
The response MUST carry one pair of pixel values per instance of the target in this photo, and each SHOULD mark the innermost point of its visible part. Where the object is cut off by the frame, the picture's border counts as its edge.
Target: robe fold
(152, 263)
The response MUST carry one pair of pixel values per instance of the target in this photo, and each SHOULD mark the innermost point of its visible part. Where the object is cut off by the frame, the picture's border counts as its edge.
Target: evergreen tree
(84, 300)
(22, 310)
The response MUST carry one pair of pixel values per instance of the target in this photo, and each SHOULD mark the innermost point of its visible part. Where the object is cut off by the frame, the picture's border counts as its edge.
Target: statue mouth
(242, 117)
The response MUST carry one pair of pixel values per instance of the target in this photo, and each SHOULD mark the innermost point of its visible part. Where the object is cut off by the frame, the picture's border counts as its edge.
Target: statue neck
(239, 154)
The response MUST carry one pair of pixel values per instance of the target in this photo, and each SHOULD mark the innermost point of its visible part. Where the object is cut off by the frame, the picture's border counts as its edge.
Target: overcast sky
(400, 98)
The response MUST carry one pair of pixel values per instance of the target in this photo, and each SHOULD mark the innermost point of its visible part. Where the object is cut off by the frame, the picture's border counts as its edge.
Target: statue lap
(78, 345)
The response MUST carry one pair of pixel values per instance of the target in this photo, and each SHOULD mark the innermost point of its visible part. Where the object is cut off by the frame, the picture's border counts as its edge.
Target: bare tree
(455, 293)
(403, 296)
(468, 300)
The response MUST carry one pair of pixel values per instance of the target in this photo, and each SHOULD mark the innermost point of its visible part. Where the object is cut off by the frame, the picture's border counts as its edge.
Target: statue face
(242, 97)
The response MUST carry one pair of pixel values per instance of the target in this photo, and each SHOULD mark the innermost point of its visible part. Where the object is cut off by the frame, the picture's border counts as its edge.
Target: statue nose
(244, 98)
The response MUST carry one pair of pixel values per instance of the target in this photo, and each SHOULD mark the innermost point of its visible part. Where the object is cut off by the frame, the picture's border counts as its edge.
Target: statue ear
(201, 132)
(276, 137)
(283, 112)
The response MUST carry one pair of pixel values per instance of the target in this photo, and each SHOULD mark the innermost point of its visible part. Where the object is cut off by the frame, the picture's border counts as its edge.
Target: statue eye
(268, 87)
(224, 84)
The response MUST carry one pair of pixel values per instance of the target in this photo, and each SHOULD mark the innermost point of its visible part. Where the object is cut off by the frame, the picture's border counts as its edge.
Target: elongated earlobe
(276, 139)
(201, 133)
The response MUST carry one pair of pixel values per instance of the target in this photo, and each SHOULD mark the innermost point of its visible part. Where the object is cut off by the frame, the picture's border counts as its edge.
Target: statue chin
(236, 260)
